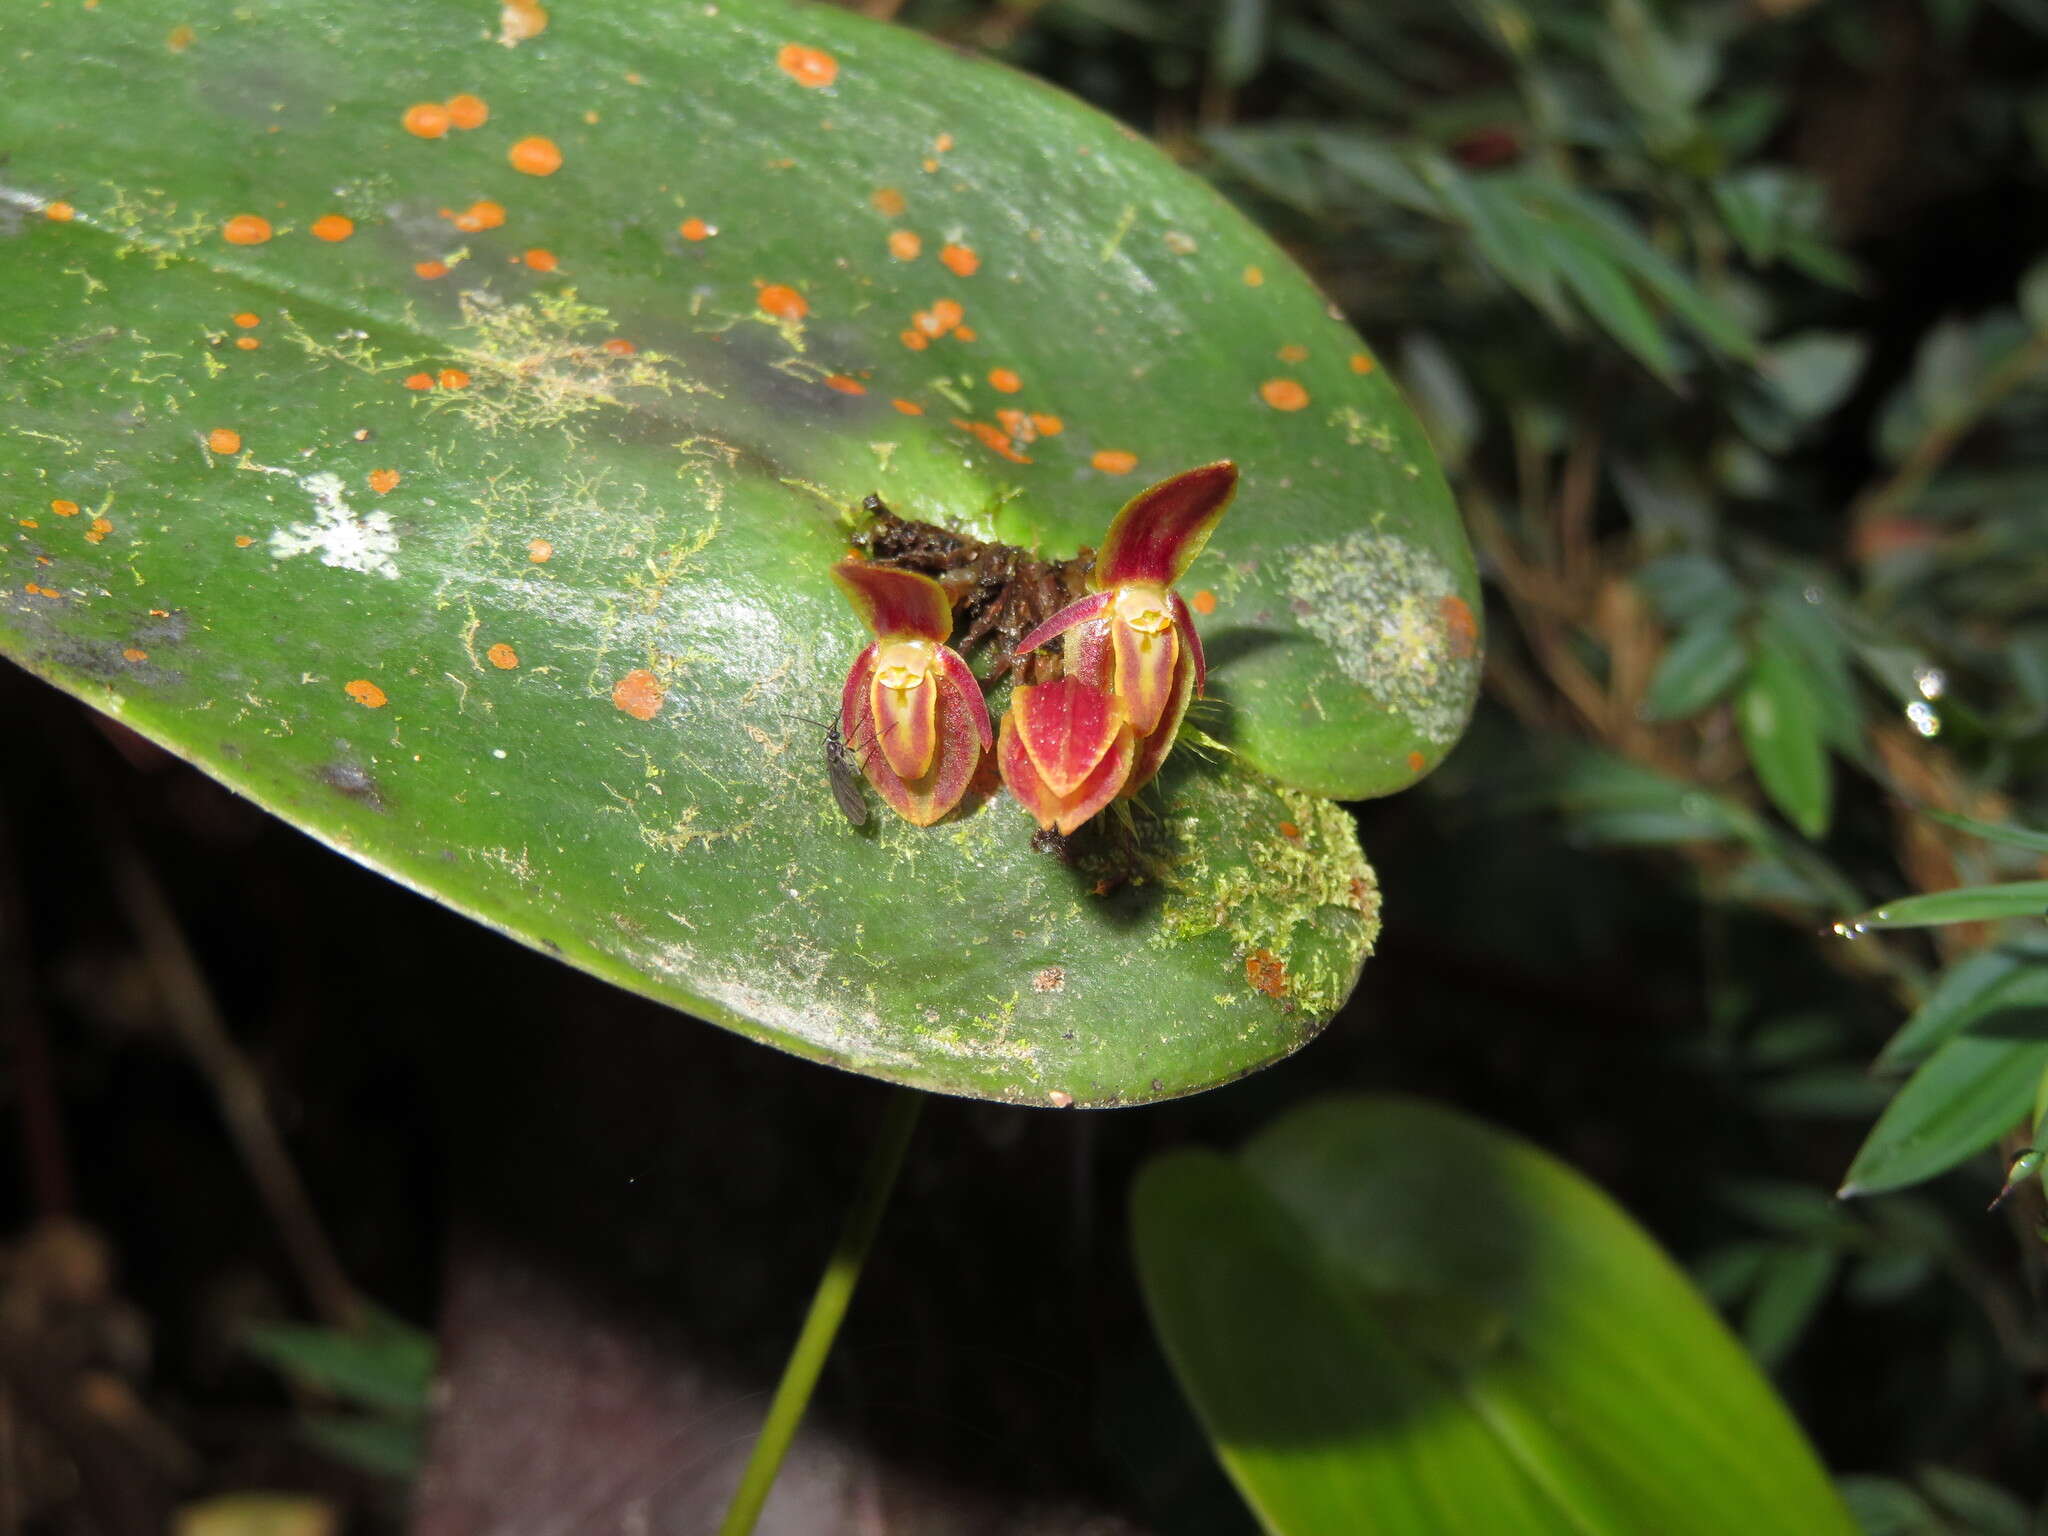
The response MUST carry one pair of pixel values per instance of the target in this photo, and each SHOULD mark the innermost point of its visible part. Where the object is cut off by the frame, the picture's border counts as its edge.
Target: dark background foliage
(1731, 323)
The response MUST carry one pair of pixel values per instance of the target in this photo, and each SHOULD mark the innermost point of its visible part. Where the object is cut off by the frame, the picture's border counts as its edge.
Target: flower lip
(901, 664)
(1144, 607)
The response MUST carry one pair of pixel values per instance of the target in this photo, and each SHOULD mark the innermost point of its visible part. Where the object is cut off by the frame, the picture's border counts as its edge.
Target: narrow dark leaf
(1973, 987)
(1777, 715)
(1701, 665)
(1993, 832)
(1972, 904)
(1788, 1293)
(1963, 1098)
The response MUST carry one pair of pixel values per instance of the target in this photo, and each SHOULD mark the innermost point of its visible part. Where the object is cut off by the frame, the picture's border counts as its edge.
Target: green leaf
(1884, 1506)
(1984, 1508)
(387, 1365)
(1974, 987)
(394, 1448)
(1993, 832)
(1702, 664)
(1777, 715)
(1971, 1091)
(1972, 904)
(1814, 371)
(559, 675)
(1393, 1319)
(1240, 46)
(1788, 1293)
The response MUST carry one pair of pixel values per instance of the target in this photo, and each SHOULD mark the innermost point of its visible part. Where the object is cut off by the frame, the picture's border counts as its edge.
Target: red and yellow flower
(911, 711)
(1133, 659)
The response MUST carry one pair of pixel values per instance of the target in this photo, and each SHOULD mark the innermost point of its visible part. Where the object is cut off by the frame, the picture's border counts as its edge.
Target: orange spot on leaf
(1005, 379)
(1283, 394)
(904, 244)
(1460, 625)
(1047, 426)
(783, 302)
(1289, 829)
(427, 120)
(61, 213)
(541, 259)
(618, 346)
(419, 381)
(454, 378)
(1293, 352)
(224, 441)
(961, 259)
(1415, 762)
(1266, 972)
(382, 480)
(638, 693)
(994, 439)
(535, 156)
(430, 269)
(889, 201)
(366, 693)
(179, 38)
(539, 551)
(695, 229)
(813, 68)
(1360, 363)
(502, 656)
(245, 320)
(247, 343)
(132, 653)
(1203, 601)
(1253, 277)
(246, 229)
(333, 227)
(1114, 461)
(467, 111)
(908, 407)
(845, 385)
(963, 333)
(64, 508)
(917, 341)
(483, 214)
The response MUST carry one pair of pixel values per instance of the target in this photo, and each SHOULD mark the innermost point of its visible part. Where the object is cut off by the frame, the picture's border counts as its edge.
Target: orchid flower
(1132, 641)
(911, 711)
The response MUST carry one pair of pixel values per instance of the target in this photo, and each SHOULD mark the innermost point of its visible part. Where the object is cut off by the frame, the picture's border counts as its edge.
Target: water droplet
(1931, 681)
(1813, 595)
(1923, 718)
(1882, 915)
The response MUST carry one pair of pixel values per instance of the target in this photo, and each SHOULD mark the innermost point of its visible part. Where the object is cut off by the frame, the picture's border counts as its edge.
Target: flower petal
(957, 681)
(1065, 812)
(1160, 531)
(1066, 726)
(1185, 623)
(856, 716)
(1079, 612)
(896, 605)
(1020, 774)
(906, 717)
(1144, 671)
(1102, 785)
(1153, 749)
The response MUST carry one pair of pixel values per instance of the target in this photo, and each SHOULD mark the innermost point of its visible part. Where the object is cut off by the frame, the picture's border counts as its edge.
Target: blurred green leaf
(1392, 1319)
(1884, 1506)
(1778, 718)
(1977, 985)
(1790, 1289)
(1687, 589)
(1814, 371)
(395, 1448)
(1973, 904)
(1984, 1508)
(1239, 49)
(2034, 295)
(1702, 664)
(1971, 1091)
(1993, 832)
(389, 1364)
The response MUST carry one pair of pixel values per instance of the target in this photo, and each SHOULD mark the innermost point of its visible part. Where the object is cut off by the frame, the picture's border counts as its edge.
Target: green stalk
(828, 1308)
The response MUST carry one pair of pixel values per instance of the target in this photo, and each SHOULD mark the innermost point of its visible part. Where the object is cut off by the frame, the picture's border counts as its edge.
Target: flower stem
(828, 1308)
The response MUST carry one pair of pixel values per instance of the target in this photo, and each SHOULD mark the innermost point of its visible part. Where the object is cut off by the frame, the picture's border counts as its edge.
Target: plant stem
(828, 1308)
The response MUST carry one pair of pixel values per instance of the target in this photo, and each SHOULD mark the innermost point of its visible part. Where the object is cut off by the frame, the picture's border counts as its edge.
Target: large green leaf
(554, 675)
(1971, 1091)
(1395, 1320)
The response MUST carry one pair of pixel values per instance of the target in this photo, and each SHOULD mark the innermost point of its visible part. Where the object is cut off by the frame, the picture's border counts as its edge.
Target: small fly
(845, 775)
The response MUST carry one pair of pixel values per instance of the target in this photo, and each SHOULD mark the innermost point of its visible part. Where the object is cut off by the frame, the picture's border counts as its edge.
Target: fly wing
(844, 774)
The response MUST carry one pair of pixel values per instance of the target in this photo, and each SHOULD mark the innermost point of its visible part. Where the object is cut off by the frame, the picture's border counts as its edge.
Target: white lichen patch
(367, 543)
(1396, 624)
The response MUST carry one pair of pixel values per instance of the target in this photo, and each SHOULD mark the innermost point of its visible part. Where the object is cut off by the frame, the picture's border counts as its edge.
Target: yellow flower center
(1144, 609)
(903, 664)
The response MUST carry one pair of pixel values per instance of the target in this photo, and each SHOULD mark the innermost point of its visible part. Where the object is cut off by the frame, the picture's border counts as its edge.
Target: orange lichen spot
(246, 229)
(1360, 363)
(942, 143)
(908, 407)
(64, 508)
(783, 302)
(1017, 424)
(1289, 830)
(539, 551)
(332, 227)
(695, 229)
(467, 111)
(27, 522)
(100, 528)
(618, 346)
(1460, 625)
(427, 120)
(179, 38)
(1253, 277)
(1416, 761)
(638, 693)
(247, 343)
(810, 67)
(1283, 394)
(366, 693)
(35, 591)
(535, 156)
(482, 214)
(520, 19)
(960, 259)
(963, 333)
(453, 378)
(1047, 426)
(1114, 461)
(942, 317)
(930, 167)
(845, 385)
(917, 341)
(382, 480)
(1005, 379)
(134, 653)
(1266, 972)
(430, 269)
(246, 320)
(60, 212)
(224, 441)
(541, 259)
(243, 541)
(419, 381)
(502, 656)
(1203, 601)
(904, 244)
(1293, 352)
(889, 202)
(995, 439)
